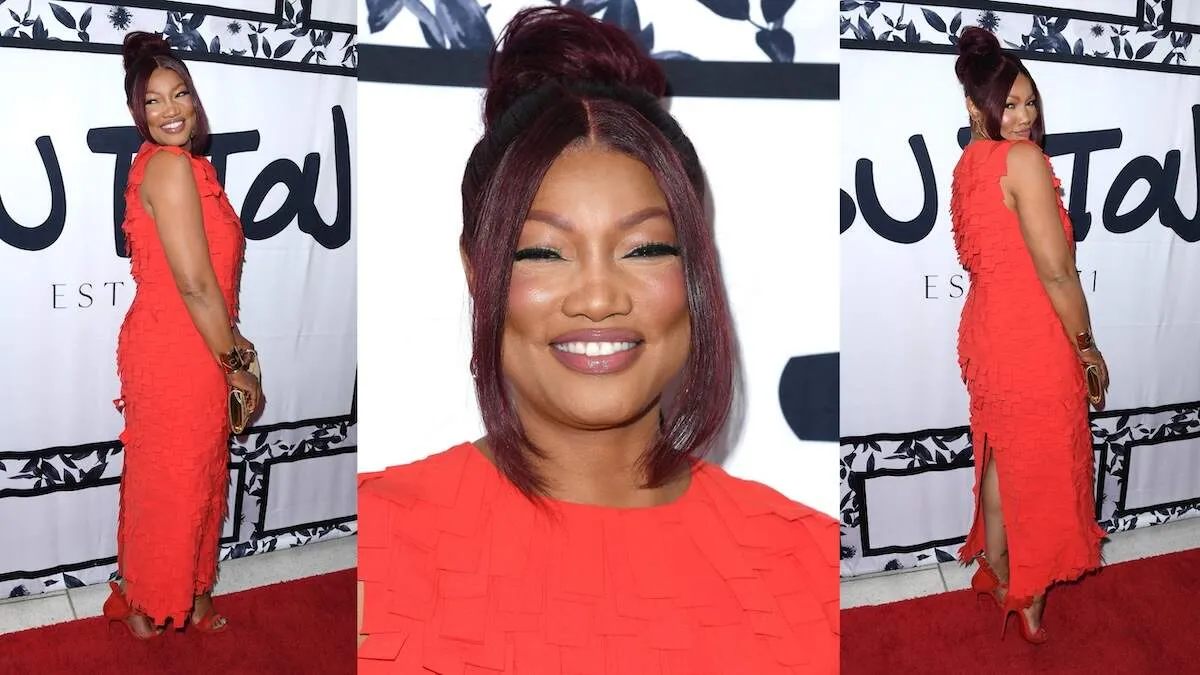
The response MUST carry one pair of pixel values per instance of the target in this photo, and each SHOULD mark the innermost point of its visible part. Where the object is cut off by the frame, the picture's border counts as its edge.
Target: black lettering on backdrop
(901, 232)
(301, 199)
(41, 236)
(1169, 213)
(123, 144)
(1161, 200)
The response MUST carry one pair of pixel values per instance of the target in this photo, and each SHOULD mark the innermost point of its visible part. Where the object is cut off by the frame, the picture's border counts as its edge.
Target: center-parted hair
(559, 79)
(987, 73)
(142, 54)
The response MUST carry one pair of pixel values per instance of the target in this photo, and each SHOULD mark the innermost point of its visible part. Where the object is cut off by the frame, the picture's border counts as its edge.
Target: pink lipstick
(598, 351)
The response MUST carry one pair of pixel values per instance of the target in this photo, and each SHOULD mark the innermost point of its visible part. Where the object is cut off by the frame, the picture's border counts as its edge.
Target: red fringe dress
(1028, 397)
(464, 575)
(175, 480)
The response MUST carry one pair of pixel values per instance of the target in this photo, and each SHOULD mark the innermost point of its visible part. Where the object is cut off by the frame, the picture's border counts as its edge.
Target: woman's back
(1007, 308)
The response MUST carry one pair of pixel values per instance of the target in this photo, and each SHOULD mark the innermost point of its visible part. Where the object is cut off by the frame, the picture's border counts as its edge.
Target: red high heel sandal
(1031, 636)
(211, 622)
(116, 608)
(986, 583)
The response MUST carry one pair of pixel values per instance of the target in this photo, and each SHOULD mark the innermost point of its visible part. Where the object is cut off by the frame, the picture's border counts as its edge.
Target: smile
(173, 127)
(599, 351)
(595, 348)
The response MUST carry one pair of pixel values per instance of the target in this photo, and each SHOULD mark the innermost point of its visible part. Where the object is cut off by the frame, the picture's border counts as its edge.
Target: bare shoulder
(166, 169)
(1025, 159)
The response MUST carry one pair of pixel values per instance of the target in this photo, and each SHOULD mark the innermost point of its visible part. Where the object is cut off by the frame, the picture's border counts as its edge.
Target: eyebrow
(626, 222)
(181, 85)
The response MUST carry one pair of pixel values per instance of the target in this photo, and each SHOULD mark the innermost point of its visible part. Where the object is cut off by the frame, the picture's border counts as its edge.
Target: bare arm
(170, 194)
(1032, 189)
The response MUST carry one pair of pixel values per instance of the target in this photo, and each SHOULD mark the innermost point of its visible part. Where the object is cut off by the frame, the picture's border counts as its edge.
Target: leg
(995, 537)
(996, 541)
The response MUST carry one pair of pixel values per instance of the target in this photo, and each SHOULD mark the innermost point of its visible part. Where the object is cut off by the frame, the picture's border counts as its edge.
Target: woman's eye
(654, 250)
(538, 253)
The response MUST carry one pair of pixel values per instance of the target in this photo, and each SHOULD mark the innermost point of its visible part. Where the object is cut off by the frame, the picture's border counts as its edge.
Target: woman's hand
(241, 342)
(248, 384)
(1094, 357)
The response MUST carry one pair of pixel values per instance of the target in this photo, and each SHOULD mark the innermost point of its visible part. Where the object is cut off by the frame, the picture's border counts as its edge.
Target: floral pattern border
(1148, 39)
(77, 468)
(289, 41)
(1113, 436)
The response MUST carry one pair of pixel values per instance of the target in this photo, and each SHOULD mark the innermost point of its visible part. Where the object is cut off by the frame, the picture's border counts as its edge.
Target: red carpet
(1131, 618)
(303, 626)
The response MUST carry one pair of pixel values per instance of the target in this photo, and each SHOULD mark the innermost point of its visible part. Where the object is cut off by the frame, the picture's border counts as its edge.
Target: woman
(581, 535)
(1024, 339)
(178, 354)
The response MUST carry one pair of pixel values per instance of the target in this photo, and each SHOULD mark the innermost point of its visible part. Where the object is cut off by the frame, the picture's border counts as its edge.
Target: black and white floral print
(1146, 36)
(764, 27)
(1115, 435)
(99, 466)
(282, 38)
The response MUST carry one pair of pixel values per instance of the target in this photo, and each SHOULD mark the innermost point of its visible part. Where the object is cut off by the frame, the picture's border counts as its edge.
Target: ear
(467, 270)
(972, 109)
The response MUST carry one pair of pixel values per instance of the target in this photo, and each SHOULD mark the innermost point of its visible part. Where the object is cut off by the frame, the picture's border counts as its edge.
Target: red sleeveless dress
(464, 575)
(175, 480)
(1029, 408)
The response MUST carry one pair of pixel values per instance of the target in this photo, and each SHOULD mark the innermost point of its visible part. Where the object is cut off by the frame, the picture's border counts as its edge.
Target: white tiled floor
(878, 589)
(235, 575)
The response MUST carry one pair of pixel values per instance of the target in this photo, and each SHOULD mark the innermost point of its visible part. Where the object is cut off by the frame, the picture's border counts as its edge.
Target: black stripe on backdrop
(274, 17)
(926, 433)
(1122, 474)
(1136, 9)
(1093, 61)
(188, 56)
(306, 11)
(719, 79)
(1169, 24)
(264, 492)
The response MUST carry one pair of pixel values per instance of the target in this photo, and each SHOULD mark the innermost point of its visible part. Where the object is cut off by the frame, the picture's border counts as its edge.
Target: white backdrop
(907, 476)
(64, 297)
(774, 200)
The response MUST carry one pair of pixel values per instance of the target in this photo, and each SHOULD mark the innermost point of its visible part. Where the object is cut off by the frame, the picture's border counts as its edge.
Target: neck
(599, 467)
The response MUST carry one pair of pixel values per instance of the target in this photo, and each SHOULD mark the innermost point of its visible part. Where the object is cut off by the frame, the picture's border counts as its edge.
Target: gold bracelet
(231, 362)
(1084, 341)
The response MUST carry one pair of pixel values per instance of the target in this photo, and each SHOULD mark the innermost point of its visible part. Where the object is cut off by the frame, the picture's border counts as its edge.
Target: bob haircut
(987, 73)
(614, 104)
(143, 53)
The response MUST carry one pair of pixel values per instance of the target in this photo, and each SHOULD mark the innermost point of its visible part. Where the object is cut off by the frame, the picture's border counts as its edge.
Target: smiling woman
(585, 530)
(179, 354)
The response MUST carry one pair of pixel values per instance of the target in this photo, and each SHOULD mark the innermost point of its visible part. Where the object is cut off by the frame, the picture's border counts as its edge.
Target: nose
(171, 109)
(599, 291)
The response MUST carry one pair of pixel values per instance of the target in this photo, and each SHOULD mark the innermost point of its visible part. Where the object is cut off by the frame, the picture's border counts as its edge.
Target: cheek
(530, 299)
(664, 296)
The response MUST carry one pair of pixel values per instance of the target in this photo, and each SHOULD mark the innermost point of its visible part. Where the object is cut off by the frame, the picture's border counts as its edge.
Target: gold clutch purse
(239, 409)
(1095, 387)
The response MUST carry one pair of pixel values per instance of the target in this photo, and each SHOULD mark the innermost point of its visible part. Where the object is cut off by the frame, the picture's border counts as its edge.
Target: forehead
(1022, 87)
(163, 78)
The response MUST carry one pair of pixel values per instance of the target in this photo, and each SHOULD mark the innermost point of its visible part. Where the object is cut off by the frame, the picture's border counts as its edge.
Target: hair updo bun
(139, 44)
(548, 43)
(980, 56)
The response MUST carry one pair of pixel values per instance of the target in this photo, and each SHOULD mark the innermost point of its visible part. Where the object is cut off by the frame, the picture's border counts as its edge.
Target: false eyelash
(537, 253)
(655, 249)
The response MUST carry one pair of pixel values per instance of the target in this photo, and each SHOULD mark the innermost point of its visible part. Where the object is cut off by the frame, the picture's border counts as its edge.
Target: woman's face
(598, 320)
(170, 114)
(1020, 110)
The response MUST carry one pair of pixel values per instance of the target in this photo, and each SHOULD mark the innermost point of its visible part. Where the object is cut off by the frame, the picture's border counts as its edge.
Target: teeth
(595, 348)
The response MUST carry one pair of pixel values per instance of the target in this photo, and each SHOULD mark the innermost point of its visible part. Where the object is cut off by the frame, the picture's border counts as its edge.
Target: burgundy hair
(143, 53)
(987, 74)
(564, 79)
